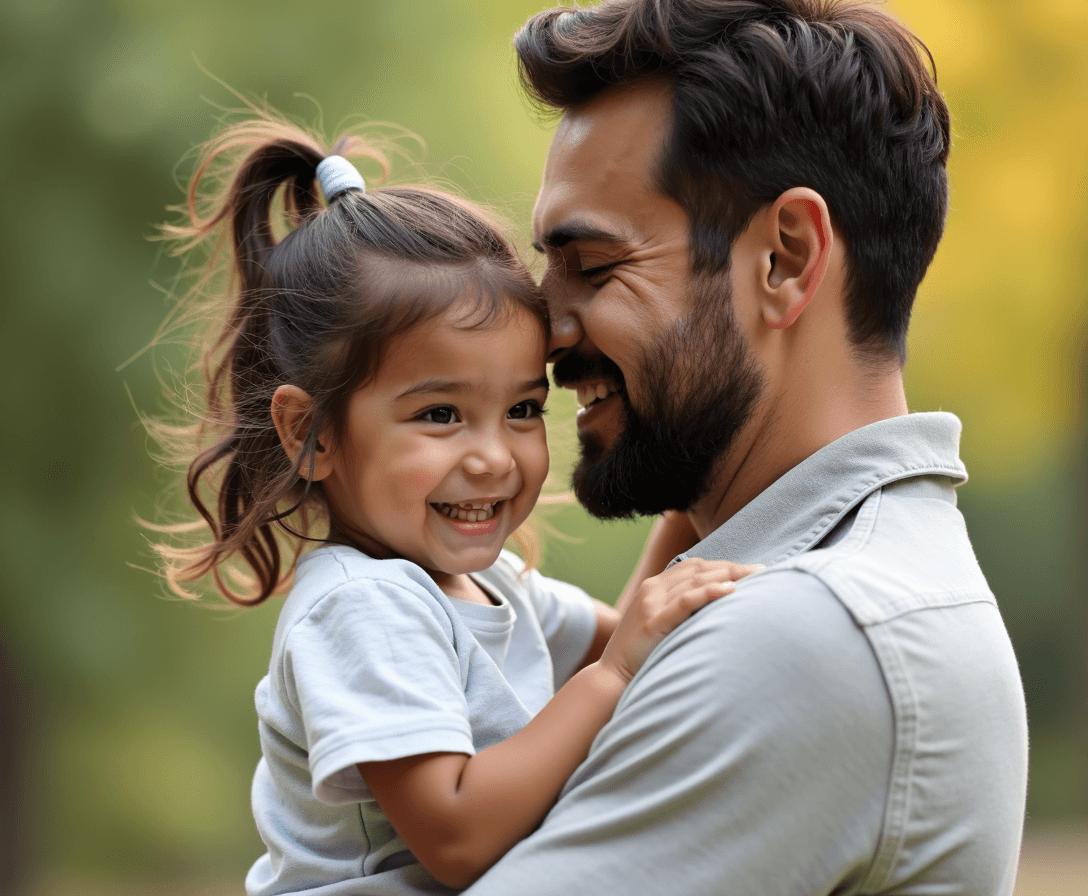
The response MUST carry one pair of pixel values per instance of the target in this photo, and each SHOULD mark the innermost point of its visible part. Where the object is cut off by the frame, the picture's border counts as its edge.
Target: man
(739, 203)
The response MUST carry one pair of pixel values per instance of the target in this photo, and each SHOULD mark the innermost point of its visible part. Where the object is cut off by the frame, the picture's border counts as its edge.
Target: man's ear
(800, 240)
(291, 416)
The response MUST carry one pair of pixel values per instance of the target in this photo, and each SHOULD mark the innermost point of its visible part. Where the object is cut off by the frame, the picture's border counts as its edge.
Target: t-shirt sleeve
(374, 674)
(749, 755)
(567, 619)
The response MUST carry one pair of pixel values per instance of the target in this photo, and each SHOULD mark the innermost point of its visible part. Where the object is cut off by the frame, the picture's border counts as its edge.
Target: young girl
(380, 381)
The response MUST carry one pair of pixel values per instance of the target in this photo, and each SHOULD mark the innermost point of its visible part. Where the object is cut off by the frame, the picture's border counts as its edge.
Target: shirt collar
(801, 507)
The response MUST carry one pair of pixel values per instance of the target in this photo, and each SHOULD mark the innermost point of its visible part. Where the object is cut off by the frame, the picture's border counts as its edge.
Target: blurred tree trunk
(15, 810)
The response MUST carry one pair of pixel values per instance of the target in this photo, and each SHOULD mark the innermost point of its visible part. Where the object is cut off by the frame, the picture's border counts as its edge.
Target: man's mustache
(575, 367)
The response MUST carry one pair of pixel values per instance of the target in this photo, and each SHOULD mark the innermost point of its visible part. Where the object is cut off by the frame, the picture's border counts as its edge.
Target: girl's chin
(464, 563)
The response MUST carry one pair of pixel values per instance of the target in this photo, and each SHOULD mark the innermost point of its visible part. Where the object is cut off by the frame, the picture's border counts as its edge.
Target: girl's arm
(459, 814)
(608, 618)
(672, 534)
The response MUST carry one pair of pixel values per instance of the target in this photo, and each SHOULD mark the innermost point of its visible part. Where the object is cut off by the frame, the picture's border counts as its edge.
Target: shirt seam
(901, 698)
(349, 580)
(904, 707)
(853, 544)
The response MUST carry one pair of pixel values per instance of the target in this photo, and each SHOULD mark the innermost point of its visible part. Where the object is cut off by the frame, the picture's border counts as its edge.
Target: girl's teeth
(473, 513)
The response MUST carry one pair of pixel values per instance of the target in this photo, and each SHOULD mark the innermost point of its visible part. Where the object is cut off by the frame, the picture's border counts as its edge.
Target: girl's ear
(291, 416)
(800, 242)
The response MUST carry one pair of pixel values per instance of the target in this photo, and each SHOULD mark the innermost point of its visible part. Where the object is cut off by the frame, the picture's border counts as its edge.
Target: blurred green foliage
(129, 733)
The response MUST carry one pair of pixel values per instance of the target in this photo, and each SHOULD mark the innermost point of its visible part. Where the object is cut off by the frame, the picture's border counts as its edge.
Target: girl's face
(444, 453)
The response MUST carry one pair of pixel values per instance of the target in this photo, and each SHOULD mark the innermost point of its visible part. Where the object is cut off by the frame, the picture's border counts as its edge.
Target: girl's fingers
(722, 570)
(663, 602)
(712, 590)
(681, 603)
(739, 570)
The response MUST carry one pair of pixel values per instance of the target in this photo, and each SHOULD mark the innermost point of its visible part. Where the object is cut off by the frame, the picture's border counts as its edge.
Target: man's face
(661, 368)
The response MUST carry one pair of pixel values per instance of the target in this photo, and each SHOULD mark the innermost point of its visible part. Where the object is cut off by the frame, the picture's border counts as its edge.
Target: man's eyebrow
(572, 231)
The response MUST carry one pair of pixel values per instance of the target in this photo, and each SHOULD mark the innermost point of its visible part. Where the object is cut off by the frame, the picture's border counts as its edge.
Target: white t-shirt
(371, 661)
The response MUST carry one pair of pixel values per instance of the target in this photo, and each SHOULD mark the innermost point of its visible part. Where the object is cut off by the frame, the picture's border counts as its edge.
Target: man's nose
(566, 327)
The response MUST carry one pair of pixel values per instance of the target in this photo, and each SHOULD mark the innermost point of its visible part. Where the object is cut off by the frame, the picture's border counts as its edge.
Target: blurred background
(127, 729)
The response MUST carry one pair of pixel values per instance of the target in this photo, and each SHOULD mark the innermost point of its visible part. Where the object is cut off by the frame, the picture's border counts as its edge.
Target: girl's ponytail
(278, 161)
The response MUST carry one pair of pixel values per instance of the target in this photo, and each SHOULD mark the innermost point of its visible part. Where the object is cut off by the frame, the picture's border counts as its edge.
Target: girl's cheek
(422, 480)
(425, 469)
(541, 464)
(538, 452)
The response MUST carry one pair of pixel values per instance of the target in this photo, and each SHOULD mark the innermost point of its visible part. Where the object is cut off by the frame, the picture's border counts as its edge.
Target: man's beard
(699, 384)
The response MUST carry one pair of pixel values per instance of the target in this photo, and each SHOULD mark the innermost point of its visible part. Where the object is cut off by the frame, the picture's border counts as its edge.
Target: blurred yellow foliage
(999, 328)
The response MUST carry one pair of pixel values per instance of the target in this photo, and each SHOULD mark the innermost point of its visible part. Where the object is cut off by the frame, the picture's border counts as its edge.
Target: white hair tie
(337, 175)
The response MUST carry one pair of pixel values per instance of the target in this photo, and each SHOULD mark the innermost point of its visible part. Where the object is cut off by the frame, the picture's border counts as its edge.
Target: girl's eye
(443, 415)
(524, 410)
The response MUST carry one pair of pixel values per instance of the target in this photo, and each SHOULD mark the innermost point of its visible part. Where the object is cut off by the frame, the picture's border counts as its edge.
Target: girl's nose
(489, 456)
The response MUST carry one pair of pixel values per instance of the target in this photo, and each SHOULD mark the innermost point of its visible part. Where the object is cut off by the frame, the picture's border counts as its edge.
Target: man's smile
(592, 376)
(591, 393)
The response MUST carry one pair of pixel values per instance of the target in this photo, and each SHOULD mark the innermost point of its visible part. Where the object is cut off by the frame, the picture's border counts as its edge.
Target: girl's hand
(661, 603)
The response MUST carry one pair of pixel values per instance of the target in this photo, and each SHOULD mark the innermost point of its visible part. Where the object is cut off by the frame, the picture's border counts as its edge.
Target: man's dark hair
(768, 95)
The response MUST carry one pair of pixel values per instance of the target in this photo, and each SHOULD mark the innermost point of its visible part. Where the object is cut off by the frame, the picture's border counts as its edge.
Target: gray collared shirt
(850, 721)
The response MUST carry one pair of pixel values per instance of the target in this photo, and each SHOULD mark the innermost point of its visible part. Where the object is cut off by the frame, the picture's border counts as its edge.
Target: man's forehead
(602, 157)
(622, 128)
(637, 105)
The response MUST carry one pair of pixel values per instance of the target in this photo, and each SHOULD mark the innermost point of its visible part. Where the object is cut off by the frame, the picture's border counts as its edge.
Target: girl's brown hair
(315, 309)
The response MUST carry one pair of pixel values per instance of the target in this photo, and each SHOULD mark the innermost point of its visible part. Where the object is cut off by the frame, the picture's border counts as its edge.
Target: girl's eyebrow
(439, 386)
(533, 385)
(435, 384)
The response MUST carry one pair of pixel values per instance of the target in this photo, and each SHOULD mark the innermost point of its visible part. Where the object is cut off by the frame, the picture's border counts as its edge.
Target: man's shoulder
(781, 674)
(781, 629)
(904, 549)
(892, 613)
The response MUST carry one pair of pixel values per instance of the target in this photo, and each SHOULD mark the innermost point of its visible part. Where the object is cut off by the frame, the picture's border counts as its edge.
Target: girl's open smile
(473, 512)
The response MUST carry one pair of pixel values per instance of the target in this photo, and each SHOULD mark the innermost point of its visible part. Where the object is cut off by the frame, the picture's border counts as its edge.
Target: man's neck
(786, 431)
